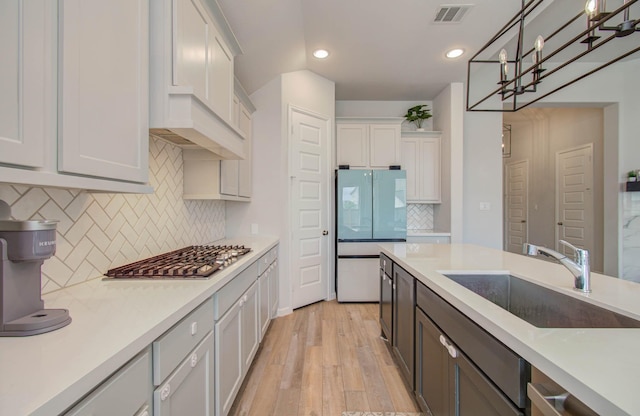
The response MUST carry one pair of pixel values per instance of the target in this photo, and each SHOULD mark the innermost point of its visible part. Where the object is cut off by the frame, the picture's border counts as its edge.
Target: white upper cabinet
(202, 60)
(368, 143)
(244, 166)
(74, 101)
(235, 175)
(353, 145)
(26, 82)
(191, 78)
(421, 160)
(207, 177)
(103, 94)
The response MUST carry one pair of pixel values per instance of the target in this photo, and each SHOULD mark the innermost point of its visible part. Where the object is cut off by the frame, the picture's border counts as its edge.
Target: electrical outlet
(254, 228)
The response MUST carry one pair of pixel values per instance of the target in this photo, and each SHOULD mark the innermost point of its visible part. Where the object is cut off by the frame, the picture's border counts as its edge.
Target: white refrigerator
(370, 208)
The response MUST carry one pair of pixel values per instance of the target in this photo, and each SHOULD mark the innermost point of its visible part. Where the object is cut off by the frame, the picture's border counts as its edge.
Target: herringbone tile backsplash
(419, 217)
(97, 231)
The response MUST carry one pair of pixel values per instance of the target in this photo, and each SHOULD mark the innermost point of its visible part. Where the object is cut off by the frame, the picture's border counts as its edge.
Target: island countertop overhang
(590, 363)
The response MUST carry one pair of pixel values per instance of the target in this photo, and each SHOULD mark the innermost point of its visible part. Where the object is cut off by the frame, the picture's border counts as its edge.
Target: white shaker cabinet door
(421, 160)
(220, 76)
(103, 127)
(245, 183)
(228, 358)
(384, 145)
(26, 81)
(250, 326)
(410, 148)
(353, 145)
(430, 162)
(274, 296)
(263, 301)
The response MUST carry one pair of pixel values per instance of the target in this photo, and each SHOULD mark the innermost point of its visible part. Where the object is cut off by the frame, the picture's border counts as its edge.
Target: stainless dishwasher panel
(358, 275)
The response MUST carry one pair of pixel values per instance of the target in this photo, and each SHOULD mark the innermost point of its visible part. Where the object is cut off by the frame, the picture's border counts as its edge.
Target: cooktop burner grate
(194, 262)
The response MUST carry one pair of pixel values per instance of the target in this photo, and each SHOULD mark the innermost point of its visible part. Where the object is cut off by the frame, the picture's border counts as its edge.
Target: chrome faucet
(579, 266)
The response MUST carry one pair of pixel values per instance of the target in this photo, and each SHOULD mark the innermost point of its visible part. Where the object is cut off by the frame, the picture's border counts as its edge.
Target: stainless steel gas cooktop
(194, 262)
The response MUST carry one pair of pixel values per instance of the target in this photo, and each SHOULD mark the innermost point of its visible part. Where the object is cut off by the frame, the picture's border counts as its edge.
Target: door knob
(523, 221)
(325, 232)
(560, 223)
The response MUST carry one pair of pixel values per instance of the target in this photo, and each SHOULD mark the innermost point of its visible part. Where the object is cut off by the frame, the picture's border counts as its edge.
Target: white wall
(482, 179)
(269, 206)
(385, 109)
(616, 85)
(537, 135)
(449, 119)
(615, 88)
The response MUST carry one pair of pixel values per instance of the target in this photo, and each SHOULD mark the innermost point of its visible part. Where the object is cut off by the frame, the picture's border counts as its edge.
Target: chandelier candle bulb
(502, 57)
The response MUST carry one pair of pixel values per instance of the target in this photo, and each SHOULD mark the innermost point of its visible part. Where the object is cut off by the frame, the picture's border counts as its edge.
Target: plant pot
(420, 129)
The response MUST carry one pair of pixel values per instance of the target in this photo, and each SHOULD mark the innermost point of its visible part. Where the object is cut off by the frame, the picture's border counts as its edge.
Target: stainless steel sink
(540, 306)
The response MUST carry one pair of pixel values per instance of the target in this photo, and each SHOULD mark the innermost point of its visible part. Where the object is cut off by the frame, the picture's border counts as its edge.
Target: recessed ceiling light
(454, 53)
(320, 53)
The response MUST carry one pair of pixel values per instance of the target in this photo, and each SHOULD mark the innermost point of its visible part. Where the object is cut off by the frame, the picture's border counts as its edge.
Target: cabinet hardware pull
(166, 391)
(194, 360)
(443, 341)
(452, 351)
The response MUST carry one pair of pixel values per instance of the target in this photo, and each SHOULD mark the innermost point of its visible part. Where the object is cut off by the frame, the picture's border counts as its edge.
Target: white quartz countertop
(112, 322)
(427, 233)
(600, 366)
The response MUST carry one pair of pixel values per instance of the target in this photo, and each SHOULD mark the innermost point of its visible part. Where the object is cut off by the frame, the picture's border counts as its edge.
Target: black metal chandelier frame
(511, 88)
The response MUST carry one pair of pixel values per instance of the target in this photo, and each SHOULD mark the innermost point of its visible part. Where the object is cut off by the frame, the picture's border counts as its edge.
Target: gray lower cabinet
(274, 298)
(183, 365)
(473, 394)
(432, 367)
(265, 305)
(386, 297)
(188, 390)
(403, 321)
(460, 368)
(237, 340)
(228, 372)
(126, 393)
(447, 382)
(250, 326)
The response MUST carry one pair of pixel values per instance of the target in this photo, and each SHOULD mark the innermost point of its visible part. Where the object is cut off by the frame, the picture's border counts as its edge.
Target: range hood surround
(178, 113)
(189, 123)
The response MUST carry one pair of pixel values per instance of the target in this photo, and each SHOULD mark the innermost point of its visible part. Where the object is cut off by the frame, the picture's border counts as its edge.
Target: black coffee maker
(24, 246)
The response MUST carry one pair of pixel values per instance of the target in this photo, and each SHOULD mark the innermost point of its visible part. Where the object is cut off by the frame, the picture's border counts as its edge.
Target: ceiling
(379, 49)
(385, 49)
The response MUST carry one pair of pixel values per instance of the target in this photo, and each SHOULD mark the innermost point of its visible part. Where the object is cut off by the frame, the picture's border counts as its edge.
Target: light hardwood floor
(321, 360)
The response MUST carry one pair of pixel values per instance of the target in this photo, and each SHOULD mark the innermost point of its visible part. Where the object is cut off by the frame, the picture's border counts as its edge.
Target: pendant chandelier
(539, 52)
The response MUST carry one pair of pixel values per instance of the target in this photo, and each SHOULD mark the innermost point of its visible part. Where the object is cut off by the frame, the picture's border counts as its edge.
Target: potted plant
(632, 176)
(417, 115)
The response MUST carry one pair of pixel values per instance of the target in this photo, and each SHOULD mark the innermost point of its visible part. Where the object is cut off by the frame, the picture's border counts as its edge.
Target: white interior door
(309, 144)
(516, 197)
(574, 198)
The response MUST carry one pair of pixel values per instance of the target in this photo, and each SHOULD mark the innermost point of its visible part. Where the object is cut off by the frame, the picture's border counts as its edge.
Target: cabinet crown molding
(370, 120)
(412, 133)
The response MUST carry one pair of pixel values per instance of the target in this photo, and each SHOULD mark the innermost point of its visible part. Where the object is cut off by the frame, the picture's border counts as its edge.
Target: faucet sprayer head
(530, 249)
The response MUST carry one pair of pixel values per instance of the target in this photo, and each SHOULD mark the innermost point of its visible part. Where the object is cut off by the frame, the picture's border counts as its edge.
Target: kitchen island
(598, 366)
(113, 321)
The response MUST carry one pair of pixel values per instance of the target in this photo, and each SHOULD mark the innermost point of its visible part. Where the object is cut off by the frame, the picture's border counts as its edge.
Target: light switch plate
(485, 206)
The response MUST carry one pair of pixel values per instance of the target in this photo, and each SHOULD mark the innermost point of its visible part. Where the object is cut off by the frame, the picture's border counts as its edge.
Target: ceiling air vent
(451, 13)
